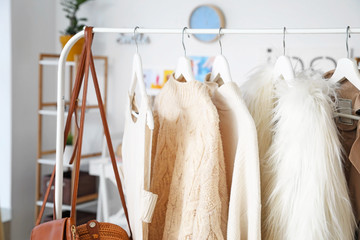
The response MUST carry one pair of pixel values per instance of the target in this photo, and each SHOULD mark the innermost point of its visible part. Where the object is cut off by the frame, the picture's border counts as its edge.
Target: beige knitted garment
(188, 171)
(239, 138)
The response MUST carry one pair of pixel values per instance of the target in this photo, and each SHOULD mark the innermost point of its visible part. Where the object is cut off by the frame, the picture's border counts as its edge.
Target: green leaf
(71, 7)
(70, 31)
(67, 10)
(81, 1)
(69, 139)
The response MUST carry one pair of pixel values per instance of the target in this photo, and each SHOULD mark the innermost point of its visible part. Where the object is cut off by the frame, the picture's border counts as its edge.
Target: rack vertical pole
(60, 123)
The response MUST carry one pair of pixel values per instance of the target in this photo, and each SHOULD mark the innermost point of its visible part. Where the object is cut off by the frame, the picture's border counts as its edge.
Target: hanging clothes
(306, 194)
(188, 170)
(258, 93)
(240, 145)
(350, 139)
(136, 153)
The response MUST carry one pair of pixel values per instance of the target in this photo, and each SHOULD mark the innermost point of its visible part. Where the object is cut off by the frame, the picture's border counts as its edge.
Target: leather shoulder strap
(108, 140)
(88, 42)
(89, 62)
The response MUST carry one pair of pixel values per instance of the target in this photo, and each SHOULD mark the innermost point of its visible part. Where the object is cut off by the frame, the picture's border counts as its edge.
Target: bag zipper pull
(73, 230)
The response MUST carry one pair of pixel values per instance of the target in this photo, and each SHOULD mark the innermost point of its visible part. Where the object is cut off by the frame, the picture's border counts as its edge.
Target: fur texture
(306, 193)
(258, 94)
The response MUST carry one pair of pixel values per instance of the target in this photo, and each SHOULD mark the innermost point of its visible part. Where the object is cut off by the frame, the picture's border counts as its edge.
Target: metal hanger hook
(347, 41)
(137, 48)
(182, 39)
(220, 41)
(284, 31)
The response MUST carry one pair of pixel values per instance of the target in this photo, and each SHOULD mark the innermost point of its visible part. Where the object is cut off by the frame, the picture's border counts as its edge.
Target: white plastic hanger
(220, 66)
(283, 66)
(346, 67)
(183, 67)
(138, 77)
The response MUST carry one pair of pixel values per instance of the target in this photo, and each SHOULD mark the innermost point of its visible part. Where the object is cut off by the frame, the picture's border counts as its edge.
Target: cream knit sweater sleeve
(189, 171)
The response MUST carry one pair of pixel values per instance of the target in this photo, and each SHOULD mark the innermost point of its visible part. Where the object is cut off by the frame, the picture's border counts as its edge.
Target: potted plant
(69, 148)
(71, 7)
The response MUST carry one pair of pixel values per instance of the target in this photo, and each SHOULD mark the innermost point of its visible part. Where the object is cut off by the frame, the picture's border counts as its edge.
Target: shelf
(87, 198)
(53, 112)
(68, 207)
(5, 215)
(49, 109)
(104, 166)
(50, 159)
(54, 62)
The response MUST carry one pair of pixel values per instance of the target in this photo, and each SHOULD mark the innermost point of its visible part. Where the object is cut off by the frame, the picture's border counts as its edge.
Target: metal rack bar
(230, 31)
(74, 39)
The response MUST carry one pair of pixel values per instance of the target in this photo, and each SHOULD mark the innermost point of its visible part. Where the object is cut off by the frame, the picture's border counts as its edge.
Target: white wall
(33, 22)
(5, 99)
(243, 52)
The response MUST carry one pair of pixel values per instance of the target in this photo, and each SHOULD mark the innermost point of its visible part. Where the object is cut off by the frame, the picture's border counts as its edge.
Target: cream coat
(239, 138)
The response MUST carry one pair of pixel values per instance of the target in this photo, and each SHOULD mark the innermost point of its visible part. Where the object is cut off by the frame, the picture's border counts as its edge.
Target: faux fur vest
(305, 194)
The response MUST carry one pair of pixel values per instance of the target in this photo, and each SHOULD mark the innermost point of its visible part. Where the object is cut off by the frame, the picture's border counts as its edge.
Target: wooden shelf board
(55, 62)
(53, 112)
(50, 159)
(68, 207)
(87, 198)
(5, 214)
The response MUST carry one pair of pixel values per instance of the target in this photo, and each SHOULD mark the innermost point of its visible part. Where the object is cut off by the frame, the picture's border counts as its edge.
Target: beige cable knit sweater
(188, 172)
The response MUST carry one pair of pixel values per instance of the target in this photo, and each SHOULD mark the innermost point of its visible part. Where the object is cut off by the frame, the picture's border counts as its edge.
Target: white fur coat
(305, 190)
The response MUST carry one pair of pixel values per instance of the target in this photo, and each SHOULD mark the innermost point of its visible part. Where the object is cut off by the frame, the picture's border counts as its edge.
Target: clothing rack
(75, 38)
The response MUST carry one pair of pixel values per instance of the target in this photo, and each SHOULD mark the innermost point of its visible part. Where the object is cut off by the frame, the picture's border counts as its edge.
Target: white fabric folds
(136, 152)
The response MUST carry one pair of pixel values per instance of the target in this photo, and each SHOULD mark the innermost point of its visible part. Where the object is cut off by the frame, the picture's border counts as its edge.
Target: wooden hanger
(220, 66)
(184, 67)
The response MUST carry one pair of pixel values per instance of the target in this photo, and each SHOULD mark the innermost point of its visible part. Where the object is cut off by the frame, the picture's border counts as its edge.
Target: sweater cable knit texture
(188, 171)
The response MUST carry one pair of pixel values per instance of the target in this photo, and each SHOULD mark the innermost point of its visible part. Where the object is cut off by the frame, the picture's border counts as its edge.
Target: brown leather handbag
(66, 228)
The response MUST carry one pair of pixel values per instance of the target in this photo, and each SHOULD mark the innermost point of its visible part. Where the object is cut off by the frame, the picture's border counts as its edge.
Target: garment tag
(345, 107)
